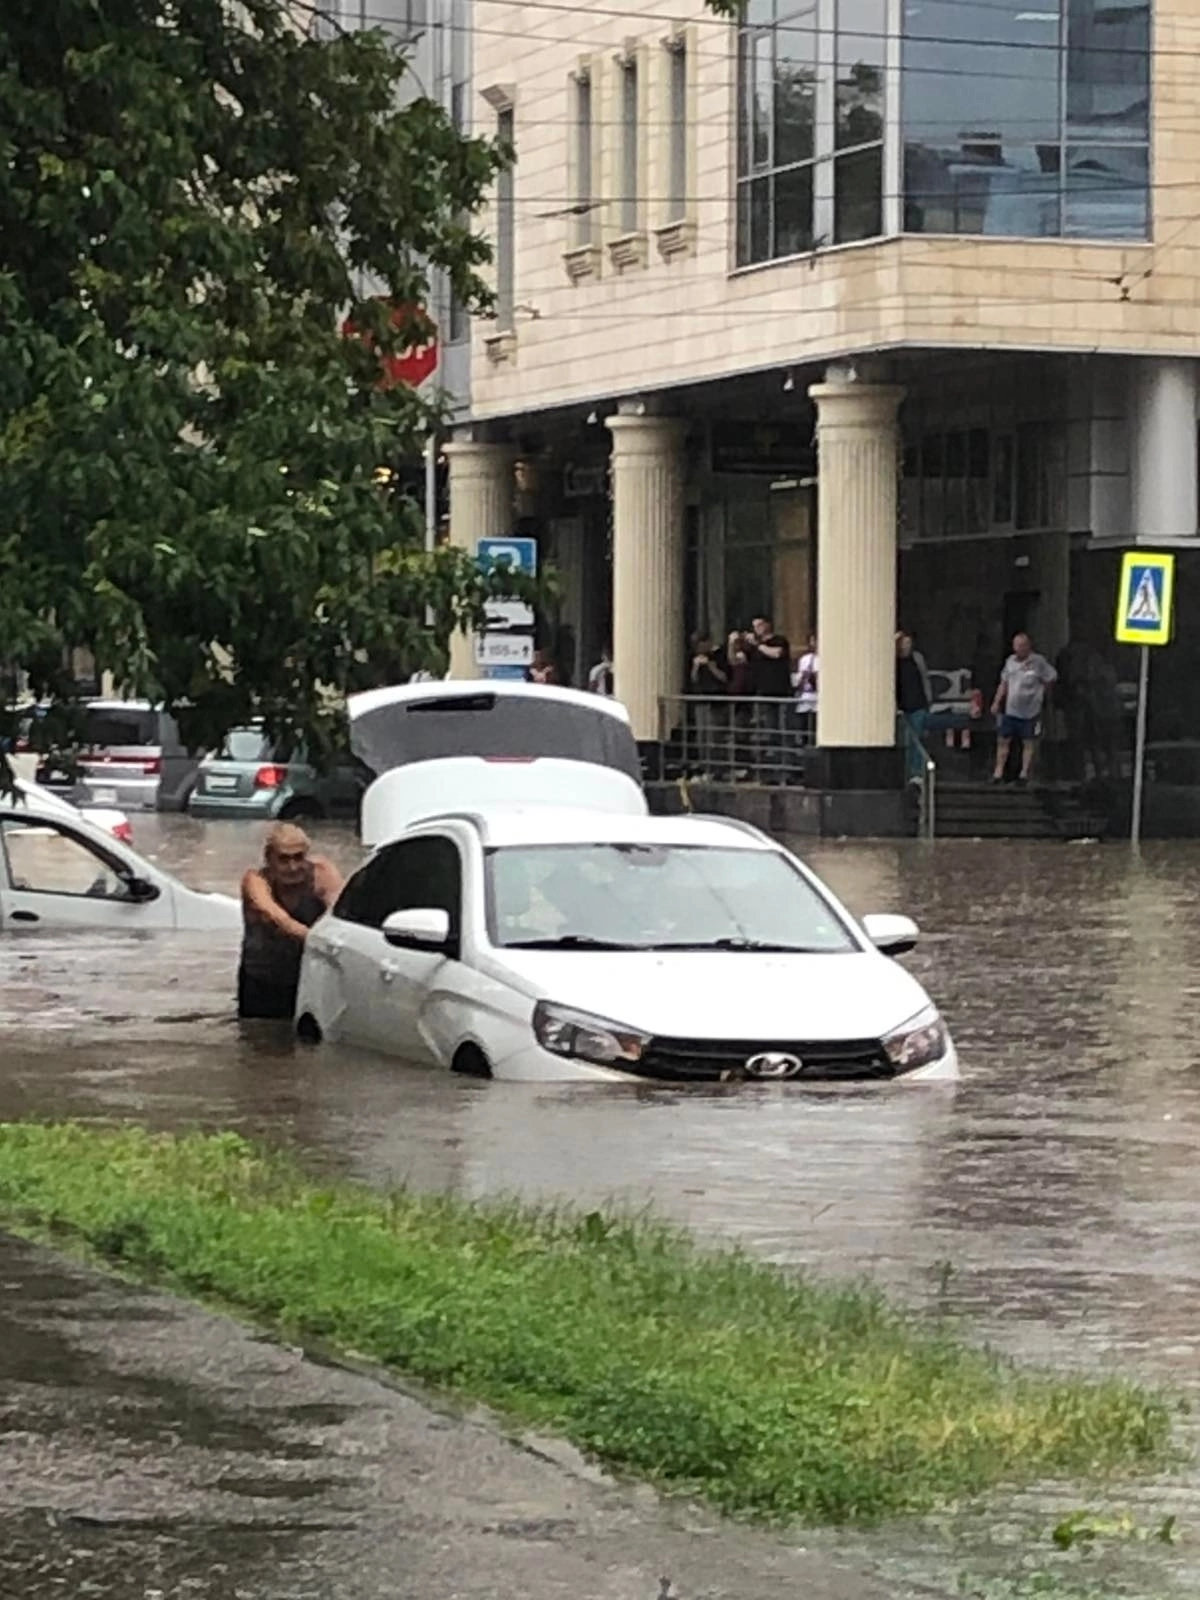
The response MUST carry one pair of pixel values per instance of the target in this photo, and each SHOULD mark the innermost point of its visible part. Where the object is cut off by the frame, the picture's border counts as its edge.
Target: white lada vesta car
(526, 918)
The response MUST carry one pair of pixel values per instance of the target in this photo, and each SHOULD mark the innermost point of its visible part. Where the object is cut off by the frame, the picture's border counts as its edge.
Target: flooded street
(1053, 1198)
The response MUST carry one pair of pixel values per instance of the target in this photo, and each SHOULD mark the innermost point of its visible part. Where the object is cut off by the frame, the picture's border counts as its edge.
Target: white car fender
(468, 1006)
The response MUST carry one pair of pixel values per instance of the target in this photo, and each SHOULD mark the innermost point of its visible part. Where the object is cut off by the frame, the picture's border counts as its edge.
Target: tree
(193, 195)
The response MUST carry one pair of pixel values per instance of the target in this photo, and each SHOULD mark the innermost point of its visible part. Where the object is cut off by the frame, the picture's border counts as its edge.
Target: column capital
(478, 450)
(856, 405)
(650, 436)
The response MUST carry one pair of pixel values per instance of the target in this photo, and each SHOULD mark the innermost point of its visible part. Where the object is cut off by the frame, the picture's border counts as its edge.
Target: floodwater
(1052, 1199)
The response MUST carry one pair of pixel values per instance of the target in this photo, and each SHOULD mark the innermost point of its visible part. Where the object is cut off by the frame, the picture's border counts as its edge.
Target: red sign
(412, 366)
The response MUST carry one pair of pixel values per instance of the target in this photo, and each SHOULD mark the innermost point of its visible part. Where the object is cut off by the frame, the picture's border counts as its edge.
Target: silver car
(130, 756)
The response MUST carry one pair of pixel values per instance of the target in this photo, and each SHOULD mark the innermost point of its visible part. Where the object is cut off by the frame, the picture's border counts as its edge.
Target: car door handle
(25, 916)
(388, 973)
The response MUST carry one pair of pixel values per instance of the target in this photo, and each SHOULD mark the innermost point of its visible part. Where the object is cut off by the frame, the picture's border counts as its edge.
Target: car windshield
(656, 897)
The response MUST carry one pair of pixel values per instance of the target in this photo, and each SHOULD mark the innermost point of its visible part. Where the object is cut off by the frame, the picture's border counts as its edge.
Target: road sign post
(1145, 604)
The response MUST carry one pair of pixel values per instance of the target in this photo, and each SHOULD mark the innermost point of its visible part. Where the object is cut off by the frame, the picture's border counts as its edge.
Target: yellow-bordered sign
(1145, 598)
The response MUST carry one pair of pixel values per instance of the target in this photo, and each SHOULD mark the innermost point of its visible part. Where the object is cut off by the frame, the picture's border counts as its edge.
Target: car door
(424, 873)
(53, 877)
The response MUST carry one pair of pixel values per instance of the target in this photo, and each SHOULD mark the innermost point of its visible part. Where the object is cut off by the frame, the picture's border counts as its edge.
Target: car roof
(369, 700)
(502, 827)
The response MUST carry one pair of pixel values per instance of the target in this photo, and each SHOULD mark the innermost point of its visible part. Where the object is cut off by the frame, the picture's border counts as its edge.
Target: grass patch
(767, 1393)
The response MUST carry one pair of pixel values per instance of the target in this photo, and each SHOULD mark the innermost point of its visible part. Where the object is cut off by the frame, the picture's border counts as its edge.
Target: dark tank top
(268, 954)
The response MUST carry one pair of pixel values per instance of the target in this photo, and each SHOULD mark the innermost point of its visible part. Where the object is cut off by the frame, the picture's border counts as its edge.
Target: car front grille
(719, 1060)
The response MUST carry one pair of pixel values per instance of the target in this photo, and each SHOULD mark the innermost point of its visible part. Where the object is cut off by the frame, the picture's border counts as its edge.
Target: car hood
(726, 995)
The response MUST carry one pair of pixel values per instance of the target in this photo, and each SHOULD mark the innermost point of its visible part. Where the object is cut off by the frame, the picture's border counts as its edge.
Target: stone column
(856, 566)
(1163, 448)
(647, 490)
(481, 507)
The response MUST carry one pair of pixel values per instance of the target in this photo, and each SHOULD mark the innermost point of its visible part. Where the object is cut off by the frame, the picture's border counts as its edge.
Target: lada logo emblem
(774, 1064)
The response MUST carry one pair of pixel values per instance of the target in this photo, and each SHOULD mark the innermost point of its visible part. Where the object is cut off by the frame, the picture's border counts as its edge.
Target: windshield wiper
(736, 942)
(571, 941)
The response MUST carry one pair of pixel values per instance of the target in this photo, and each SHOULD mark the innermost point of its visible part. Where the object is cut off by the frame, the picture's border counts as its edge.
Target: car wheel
(308, 1029)
(470, 1062)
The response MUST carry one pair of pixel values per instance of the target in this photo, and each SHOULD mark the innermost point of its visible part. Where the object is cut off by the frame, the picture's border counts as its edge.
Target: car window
(655, 896)
(245, 744)
(417, 873)
(109, 729)
(45, 859)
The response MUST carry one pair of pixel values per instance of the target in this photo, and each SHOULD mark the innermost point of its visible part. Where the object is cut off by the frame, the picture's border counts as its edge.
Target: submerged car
(59, 869)
(524, 917)
(250, 777)
(130, 755)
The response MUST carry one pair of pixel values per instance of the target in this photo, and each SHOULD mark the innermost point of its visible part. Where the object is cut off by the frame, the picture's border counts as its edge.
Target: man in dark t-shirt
(770, 659)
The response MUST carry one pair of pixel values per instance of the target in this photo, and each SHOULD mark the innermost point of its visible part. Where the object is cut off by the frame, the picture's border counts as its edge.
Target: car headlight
(578, 1034)
(918, 1042)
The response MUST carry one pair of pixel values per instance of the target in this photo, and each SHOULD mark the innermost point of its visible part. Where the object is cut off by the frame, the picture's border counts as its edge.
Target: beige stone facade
(658, 315)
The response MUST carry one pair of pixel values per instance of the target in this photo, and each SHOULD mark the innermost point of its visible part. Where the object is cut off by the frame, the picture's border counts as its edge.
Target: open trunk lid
(420, 722)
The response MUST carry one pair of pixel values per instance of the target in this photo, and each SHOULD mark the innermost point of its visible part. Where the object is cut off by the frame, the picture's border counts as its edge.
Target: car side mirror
(141, 890)
(893, 936)
(421, 929)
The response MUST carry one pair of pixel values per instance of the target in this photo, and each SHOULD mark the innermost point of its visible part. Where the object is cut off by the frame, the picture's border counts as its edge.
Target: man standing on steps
(1020, 696)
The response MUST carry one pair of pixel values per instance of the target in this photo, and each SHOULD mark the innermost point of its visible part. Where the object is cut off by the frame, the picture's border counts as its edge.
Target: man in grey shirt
(1020, 696)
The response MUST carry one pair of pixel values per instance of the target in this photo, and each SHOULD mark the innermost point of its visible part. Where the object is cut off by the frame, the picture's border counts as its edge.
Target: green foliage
(192, 196)
(769, 1394)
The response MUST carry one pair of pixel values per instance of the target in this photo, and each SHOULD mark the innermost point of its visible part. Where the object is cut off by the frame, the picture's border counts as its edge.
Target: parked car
(526, 918)
(59, 869)
(249, 777)
(130, 755)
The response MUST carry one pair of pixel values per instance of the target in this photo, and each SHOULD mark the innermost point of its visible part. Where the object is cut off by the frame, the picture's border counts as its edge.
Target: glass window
(245, 744)
(1108, 70)
(506, 223)
(754, 221)
(45, 859)
(1002, 481)
(793, 212)
(1004, 109)
(1107, 191)
(459, 320)
(415, 875)
(858, 195)
(795, 88)
(656, 896)
(1041, 474)
(630, 146)
(677, 152)
(780, 134)
(582, 198)
(861, 37)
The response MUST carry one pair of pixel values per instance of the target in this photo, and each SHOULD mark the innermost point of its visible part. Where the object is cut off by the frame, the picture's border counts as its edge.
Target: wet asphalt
(1050, 1201)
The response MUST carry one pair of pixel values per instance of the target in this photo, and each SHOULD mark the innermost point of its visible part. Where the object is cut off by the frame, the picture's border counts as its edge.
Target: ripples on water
(1052, 1197)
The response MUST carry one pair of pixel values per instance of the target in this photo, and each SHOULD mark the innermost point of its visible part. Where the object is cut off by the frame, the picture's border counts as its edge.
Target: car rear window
(108, 730)
(245, 744)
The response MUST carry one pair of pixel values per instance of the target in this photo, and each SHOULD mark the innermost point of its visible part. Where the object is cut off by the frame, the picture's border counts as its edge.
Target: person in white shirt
(805, 678)
(600, 678)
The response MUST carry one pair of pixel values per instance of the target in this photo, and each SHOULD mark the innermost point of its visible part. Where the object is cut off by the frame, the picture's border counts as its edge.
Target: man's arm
(327, 880)
(256, 893)
(1000, 696)
(773, 651)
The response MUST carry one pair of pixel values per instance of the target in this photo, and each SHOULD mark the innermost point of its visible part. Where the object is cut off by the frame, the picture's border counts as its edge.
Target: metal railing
(735, 738)
(922, 770)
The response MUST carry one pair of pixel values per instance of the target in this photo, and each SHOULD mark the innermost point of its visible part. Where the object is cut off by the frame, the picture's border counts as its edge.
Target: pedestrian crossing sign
(1145, 598)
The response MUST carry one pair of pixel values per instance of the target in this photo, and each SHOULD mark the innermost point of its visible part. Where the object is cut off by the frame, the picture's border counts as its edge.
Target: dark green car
(248, 778)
